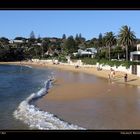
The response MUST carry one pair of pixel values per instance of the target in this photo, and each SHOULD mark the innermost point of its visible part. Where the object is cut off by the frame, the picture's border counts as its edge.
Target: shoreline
(97, 104)
(119, 76)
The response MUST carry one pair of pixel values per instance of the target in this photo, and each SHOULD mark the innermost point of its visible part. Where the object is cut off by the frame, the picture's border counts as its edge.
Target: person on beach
(125, 77)
(112, 73)
(109, 78)
(77, 66)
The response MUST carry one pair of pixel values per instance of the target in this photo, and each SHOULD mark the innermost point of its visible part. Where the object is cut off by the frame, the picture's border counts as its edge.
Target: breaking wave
(38, 119)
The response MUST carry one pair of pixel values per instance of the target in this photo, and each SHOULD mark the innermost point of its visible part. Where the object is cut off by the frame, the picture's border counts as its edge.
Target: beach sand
(92, 102)
(119, 76)
(85, 97)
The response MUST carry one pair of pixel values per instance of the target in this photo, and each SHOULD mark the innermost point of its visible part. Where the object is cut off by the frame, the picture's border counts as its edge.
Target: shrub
(89, 61)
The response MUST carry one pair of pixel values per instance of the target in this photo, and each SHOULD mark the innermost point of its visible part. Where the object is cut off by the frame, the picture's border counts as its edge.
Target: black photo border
(69, 5)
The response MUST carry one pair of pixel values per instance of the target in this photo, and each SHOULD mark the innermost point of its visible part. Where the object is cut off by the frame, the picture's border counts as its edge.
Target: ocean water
(19, 87)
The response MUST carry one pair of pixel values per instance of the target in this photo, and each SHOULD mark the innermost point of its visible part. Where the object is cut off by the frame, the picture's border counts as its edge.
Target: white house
(39, 44)
(135, 56)
(88, 51)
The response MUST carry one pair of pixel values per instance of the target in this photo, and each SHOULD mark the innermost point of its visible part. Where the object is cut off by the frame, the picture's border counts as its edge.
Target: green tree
(70, 45)
(117, 52)
(92, 43)
(32, 38)
(32, 35)
(110, 40)
(98, 44)
(100, 41)
(19, 38)
(82, 39)
(4, 40)
(39, 40)
(126, 38)
(46, 45)
(63, 36)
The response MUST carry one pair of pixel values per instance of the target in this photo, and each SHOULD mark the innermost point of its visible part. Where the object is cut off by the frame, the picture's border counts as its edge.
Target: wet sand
(81, 98)
(92, 102)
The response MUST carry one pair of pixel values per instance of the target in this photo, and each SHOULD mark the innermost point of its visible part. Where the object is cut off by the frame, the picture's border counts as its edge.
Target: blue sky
(55, 23)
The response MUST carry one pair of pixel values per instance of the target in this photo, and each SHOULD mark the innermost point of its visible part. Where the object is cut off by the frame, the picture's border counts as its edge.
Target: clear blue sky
(55, 23)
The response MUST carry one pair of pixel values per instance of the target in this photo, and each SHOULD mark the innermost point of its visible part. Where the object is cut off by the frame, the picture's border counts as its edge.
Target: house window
(136, 57)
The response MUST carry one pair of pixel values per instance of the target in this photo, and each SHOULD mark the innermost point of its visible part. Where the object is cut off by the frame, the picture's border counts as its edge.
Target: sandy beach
(119, 76)
(85, 97)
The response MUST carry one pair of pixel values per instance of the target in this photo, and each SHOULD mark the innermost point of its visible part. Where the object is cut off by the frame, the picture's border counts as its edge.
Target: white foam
(38, 119)
(28, 66)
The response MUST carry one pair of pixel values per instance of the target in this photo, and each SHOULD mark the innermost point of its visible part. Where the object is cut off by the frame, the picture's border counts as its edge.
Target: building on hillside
(39, 44)
(87, 52)
(53, 39)
(16, 41)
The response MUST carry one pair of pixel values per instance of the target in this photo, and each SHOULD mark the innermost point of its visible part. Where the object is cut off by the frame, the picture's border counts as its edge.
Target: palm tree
(126, 38)
(110, 40)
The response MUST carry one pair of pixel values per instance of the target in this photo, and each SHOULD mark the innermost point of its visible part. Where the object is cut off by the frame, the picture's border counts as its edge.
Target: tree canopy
(126, 38)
